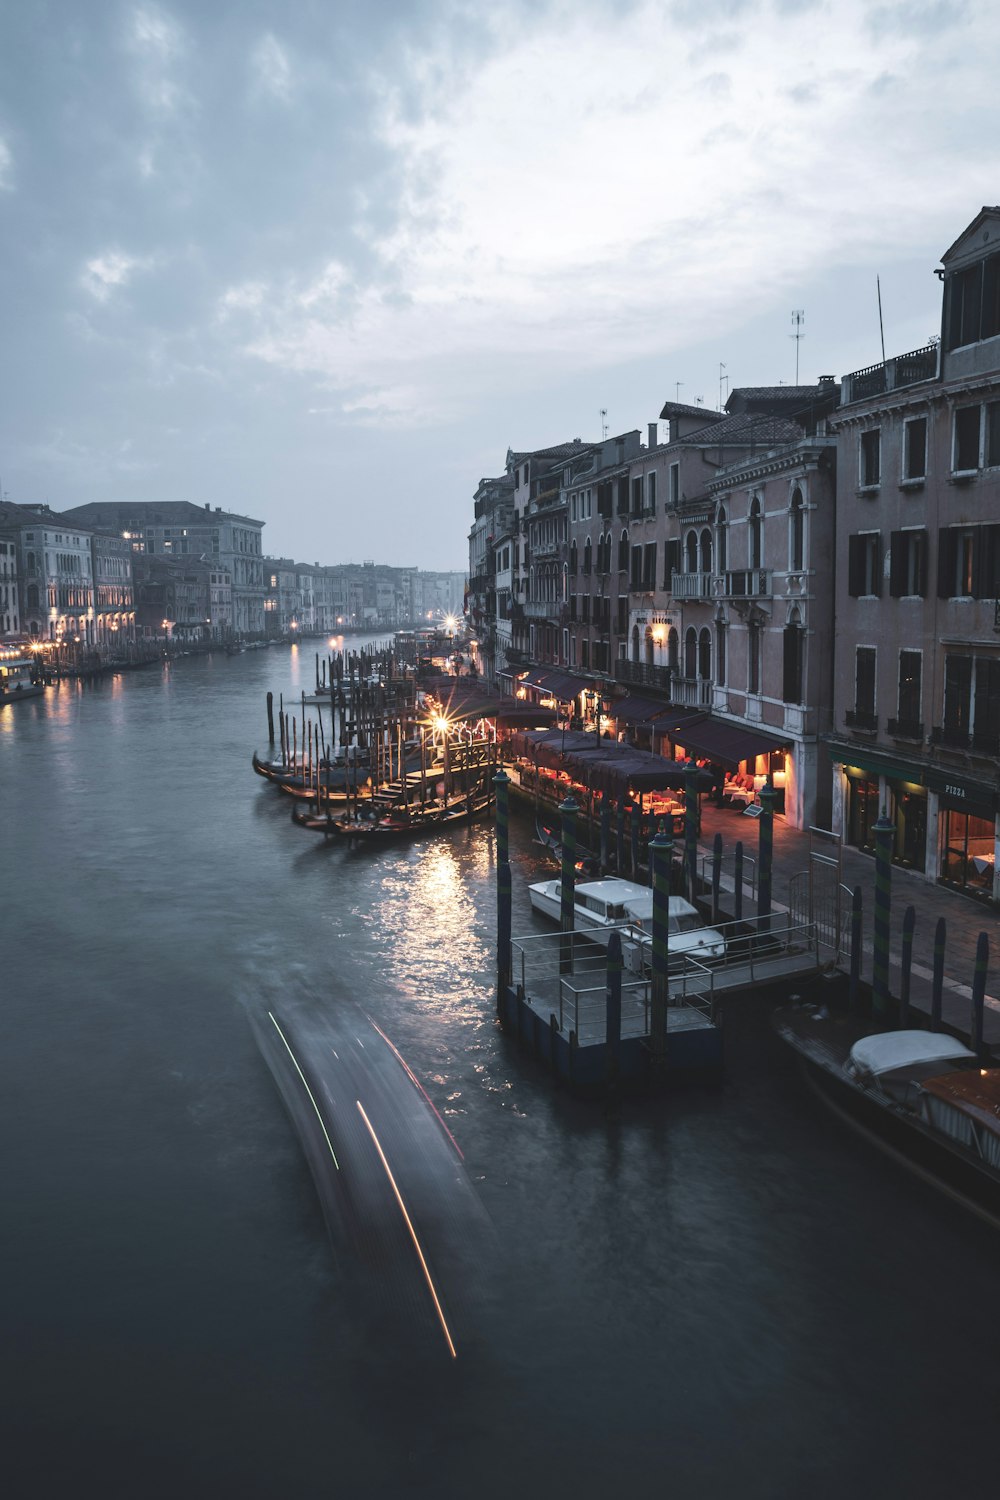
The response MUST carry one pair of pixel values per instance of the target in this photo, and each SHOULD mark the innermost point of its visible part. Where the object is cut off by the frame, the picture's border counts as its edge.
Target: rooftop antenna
(677, 390)
(604, 421)
(798, 318)
(881, 330)
(722, 378)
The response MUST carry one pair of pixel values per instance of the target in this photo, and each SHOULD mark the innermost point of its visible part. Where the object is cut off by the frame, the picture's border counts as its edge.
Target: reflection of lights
(417, 1084)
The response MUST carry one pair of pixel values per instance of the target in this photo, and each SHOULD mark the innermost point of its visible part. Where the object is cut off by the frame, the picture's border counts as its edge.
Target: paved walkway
(965, 918)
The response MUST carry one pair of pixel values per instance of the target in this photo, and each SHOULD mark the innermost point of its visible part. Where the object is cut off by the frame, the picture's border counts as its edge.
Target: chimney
(827, 380)
(653, 430)
(207, 506)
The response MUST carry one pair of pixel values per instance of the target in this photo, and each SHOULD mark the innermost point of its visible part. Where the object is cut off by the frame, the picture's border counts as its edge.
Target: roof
(974, 1091)
(118, 514)
(888, 1050)
(986, 212)
(761, 429)
(755, 397)
(678, 409)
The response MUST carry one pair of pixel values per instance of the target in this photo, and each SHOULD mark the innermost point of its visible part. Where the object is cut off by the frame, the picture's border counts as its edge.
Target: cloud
(6, 167)
(157, 43)
(578, 192)
(271, 70)
(113, 269)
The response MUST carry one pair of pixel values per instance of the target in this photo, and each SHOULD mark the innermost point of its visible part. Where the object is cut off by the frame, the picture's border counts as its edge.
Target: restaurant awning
(635, 710)
(560, 685)
(726, 743)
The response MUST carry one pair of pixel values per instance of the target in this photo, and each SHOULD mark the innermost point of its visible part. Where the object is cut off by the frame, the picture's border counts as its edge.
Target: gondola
(399, 823)
(549, 839)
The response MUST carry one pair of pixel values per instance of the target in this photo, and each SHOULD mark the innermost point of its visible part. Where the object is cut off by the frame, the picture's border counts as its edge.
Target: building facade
(916, 728)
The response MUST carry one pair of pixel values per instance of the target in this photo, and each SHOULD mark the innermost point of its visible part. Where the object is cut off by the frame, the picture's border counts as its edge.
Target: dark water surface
(721, 1293)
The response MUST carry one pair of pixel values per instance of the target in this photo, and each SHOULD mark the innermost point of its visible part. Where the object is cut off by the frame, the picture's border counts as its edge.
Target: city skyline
(322, 269)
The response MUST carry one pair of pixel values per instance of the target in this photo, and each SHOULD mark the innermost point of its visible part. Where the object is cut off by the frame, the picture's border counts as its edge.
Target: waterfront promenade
(965, 918)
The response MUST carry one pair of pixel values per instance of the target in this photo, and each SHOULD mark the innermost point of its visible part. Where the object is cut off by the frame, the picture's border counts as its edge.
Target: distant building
(179, 528)
(56, 573)
(10, 616)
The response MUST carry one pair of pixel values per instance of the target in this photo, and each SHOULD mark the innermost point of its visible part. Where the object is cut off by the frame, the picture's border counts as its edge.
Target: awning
(560, 685)
(635, 710)
(726, 743)
(511, 713)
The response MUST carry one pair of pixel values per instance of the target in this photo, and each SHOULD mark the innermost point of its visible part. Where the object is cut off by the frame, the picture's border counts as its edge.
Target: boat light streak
(309, 1091)
(409, 1225)
(416, 1082)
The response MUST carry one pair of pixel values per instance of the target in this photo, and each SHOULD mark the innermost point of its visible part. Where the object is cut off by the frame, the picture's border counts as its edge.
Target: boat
(16, 680)
(612, 905)
(552, 844)
(331, 775)
(373, 825)
(921, 1096)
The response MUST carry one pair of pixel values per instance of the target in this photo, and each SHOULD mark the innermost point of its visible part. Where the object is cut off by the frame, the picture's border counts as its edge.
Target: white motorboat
(605, 906)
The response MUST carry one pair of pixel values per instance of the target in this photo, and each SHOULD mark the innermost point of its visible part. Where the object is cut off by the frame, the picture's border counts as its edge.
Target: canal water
(719, 1293)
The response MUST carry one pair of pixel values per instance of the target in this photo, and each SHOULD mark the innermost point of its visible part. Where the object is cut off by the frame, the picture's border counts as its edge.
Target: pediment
(981, 238)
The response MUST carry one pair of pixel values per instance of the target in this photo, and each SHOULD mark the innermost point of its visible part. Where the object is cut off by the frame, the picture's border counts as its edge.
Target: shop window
(862, 812)
(908, 564)
(864, 573)
(968, 860)
(967, 430)
(915, 448)
(910, 816)
(869, 458)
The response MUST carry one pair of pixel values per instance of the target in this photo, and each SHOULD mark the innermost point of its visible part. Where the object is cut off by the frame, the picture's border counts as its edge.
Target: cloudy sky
(322, 262)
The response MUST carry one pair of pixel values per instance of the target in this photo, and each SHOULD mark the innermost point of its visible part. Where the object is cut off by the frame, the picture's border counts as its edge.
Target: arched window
(722, 540)
(565, 584)
(623, 553)
(796, 533)
(754, 538)
(33, 596)
(650, 647)
(30, 560)
(706, 551)
(794, 662)
(572, 559)
(673, 649)
(635, 643)
(586, 555)
(705, 654)
(691, 652)
(691, 552)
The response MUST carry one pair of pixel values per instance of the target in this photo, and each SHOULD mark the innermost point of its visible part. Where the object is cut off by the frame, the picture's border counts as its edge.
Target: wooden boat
(400, 823)
(550, 841)
(920, 1096)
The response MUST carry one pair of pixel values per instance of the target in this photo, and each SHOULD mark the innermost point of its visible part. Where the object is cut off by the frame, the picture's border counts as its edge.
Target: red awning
(725, 742)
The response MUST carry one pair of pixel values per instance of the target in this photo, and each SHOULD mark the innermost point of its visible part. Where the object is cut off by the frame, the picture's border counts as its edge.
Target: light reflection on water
(713, 1294)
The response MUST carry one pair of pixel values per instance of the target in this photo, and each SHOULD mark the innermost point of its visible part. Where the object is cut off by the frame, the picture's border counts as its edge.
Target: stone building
(917, 689)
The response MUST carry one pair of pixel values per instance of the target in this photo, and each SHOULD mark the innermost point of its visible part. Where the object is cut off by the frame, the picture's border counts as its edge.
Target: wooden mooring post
(937, 983)
(661, 852)
(979, 993)
(504, 889)
(884, 830)
(909, 922)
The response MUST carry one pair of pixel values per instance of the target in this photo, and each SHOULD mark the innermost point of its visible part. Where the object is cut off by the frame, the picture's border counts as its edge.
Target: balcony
(893, 375)
(542, 609)
(692, 692)
(906, 729)
(643, 674)
(951, 737)
(517, 658)
(750, 583)
(691, 585)
(863, 719)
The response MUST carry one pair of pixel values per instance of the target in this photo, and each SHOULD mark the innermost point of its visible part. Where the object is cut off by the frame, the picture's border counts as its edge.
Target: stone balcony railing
(643, 674)
(892, 375)
(692, 692)
(691, 585)
(747, 583)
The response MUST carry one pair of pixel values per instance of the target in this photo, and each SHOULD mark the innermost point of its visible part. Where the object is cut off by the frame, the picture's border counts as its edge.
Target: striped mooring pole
(620, 837)
(909, 922)
(691, 830)
(979, 993)
(716, 874)
(661, 851)
(765, 856)
(937, 983)
(504, 891)
(884, 830)
(613, 1007)
(567, 823)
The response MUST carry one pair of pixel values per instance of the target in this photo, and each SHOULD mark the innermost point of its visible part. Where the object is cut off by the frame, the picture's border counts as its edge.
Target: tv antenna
(798, 318)
(677, 390)
(604, 421)
(722, 378)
